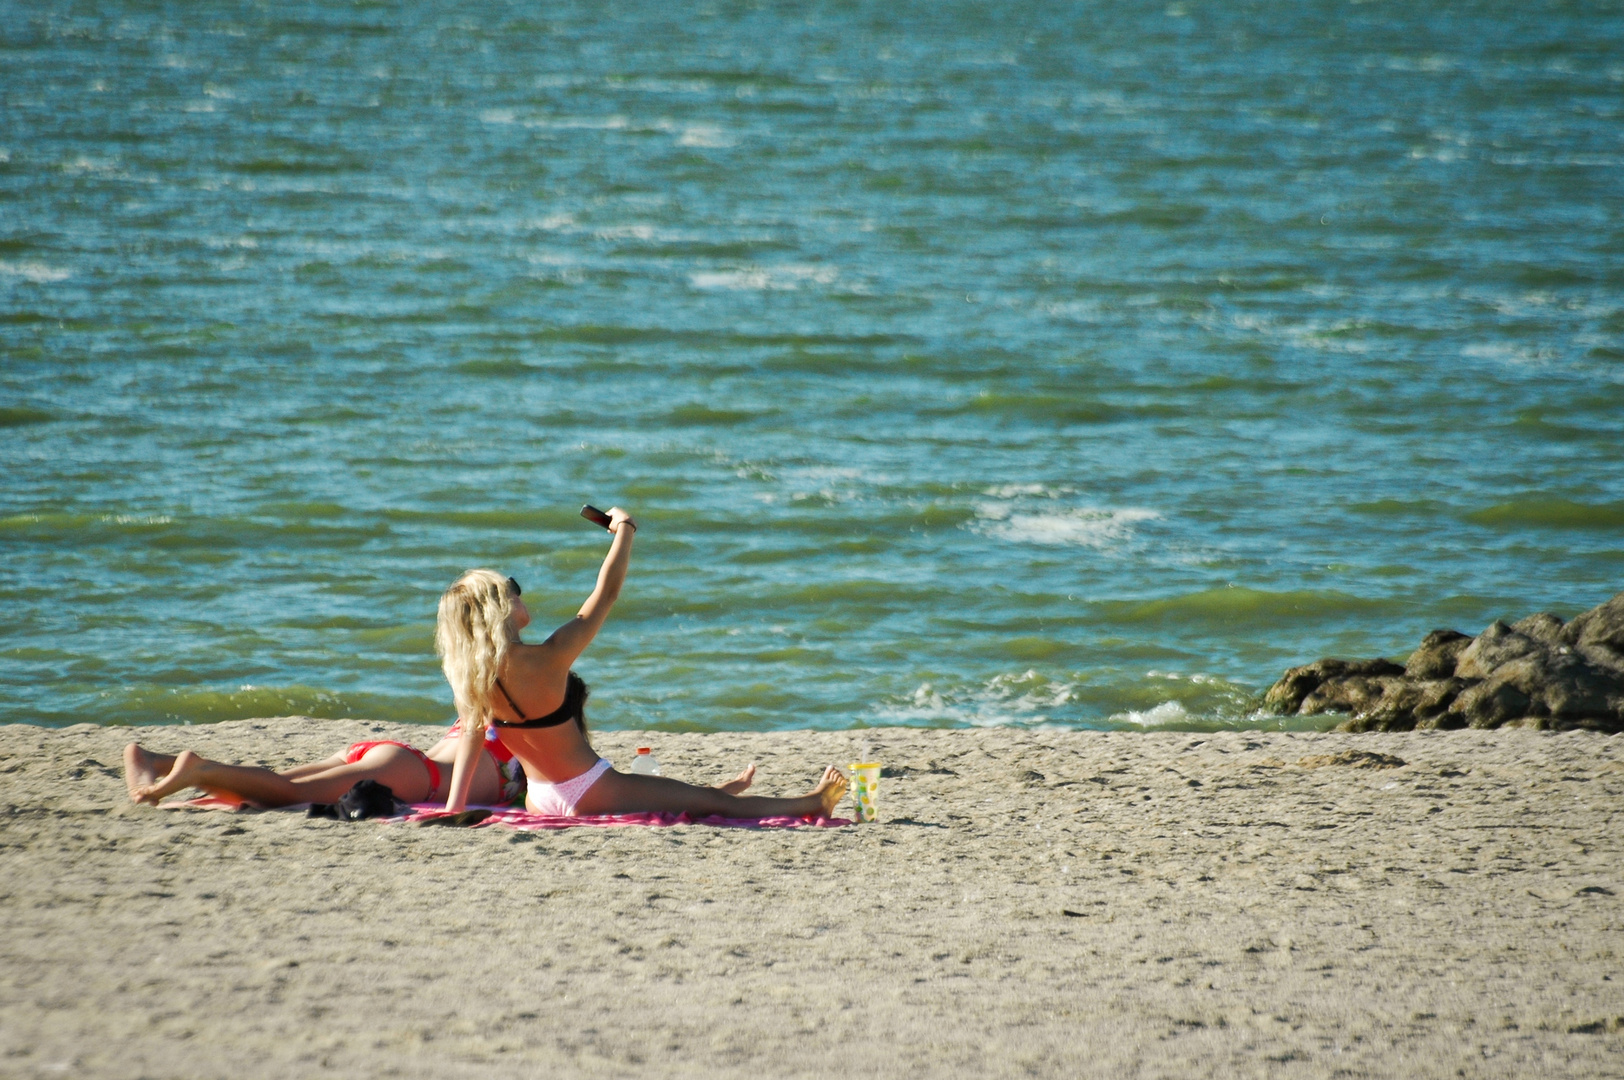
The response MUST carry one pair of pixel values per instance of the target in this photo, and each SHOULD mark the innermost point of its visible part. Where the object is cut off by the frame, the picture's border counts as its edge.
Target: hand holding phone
(611, 521)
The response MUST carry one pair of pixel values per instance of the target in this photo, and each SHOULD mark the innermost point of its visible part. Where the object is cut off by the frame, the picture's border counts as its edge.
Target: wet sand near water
(1029, 903)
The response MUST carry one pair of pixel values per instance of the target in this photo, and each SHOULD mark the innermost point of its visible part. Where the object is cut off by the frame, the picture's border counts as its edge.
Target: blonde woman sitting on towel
(536, 706)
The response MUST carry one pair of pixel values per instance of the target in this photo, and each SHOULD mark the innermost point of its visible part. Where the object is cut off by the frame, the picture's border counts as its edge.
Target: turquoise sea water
(1003, 363)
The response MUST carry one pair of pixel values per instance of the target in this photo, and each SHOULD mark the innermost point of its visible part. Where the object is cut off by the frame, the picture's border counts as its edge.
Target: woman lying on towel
(413, 775)
(535, 704)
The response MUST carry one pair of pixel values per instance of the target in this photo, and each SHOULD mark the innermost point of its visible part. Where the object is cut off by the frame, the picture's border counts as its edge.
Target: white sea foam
(1030, 691)
(1430, 63)
(1088, 311)
(1168, 712)
(83, 164)
(1508, 352)
(1444, 155)
(228, 243)
(579, 123)
(927, 705)
(1026, 513)
(1198, 678)
(666, 86)
(764, 278)
(627, 232)
(136, 519)
(559, 80)
(1023, 700)
(640, 231)
(826, 484)
(550, 122)
(704, 135)
(1096, 528)
(37, 272)
(1012, 491)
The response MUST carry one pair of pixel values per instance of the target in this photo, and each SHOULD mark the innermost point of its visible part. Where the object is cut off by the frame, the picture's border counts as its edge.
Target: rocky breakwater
(1538, 672)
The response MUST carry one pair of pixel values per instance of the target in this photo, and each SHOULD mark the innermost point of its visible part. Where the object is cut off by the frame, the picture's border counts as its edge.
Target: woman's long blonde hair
(472, 637)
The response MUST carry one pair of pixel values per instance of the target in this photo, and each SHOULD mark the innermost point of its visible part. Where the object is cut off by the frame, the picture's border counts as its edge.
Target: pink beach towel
(528, 822)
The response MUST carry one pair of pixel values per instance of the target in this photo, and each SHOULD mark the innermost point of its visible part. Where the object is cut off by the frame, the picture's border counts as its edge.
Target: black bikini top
(574, 707)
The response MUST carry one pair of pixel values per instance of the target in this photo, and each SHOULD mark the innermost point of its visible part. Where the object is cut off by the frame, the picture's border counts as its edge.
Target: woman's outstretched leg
(298, 771)
(623, 793)
(143, 768)
(391, 765)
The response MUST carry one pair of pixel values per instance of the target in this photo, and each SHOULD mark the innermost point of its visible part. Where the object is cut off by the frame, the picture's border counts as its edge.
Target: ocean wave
(169, 532)
(23, 416)
(1173, 716)
(1025, 512)
(546, 518)
(764, 278)
(1239, 605)
(1059, 409)
(1015, 491)
(1082, 528)
(1399, 508)
(36, 272)
(992, 705)
(1549, 514)
(144, 705)
(1167, 714)
(706, 136)
(535, 120)
(1162, 700)
(698, 414)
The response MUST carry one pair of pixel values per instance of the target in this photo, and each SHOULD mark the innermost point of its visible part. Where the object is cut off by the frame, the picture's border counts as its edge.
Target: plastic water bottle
(645, 763)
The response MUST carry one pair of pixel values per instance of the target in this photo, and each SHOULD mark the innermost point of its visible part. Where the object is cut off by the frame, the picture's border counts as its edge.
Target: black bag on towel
(366, 799)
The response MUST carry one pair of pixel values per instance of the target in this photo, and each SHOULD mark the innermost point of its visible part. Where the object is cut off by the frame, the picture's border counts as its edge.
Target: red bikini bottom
(358, 750)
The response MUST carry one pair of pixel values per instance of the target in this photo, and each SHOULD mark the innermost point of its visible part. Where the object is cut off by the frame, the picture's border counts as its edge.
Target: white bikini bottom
(558, 800)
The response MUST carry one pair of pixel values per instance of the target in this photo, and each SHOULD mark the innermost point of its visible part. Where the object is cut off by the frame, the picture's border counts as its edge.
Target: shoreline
(1030, 902)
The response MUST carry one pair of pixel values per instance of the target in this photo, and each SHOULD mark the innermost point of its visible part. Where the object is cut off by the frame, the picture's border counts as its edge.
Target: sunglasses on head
(514, 585)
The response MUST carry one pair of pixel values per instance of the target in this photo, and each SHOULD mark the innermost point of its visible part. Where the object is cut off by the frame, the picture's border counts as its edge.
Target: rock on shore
(1537, 672)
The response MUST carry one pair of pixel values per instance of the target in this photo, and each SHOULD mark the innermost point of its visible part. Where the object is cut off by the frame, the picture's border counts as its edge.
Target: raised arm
(571, 639)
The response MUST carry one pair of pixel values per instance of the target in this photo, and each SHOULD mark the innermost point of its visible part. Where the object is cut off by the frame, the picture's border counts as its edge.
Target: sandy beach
(1039, 903)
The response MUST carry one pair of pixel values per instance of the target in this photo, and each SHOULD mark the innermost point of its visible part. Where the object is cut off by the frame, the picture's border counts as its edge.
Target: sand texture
(1031, 903)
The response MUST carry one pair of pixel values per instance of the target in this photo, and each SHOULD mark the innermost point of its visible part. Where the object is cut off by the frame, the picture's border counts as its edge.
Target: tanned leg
(391, 765)
(621, 793)
(313, 768)
(143, 769)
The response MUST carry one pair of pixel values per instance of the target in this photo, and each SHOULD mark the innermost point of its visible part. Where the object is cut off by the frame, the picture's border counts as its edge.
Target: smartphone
(596, 516)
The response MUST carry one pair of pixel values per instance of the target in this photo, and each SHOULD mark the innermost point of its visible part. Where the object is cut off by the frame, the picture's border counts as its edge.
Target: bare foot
(186, 765)
(831, 789)
(740, 782)
(140, 769)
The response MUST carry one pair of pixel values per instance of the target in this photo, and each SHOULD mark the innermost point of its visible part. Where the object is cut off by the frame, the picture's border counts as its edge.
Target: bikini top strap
(514, 705)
